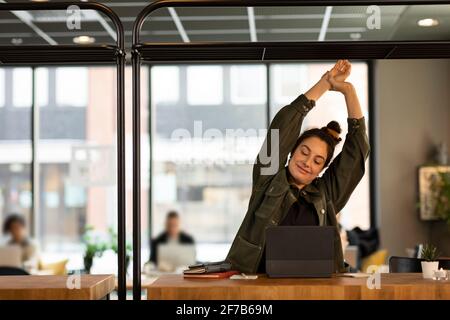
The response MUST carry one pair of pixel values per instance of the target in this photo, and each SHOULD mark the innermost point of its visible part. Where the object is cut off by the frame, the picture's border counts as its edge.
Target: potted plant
(430, 264)
(443, 196)
(93, 248)
(113, 246)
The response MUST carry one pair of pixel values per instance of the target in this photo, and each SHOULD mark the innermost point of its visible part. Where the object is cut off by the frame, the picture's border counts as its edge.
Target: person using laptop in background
(295, 195)
(15, 227)
(173, 234)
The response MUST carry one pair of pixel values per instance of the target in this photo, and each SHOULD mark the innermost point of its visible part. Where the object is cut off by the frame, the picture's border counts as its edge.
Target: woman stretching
(295, 194)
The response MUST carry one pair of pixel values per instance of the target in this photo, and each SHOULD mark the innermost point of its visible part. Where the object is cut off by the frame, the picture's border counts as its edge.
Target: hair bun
(334, 129)
(334, 125)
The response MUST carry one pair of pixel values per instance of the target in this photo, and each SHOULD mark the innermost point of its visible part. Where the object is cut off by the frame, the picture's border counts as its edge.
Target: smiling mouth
(302, 170)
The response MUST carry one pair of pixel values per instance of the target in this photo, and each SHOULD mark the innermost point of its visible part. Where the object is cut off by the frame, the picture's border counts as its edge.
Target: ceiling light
(428, 22)
(355, 35)
(84, 40)
(16, 41)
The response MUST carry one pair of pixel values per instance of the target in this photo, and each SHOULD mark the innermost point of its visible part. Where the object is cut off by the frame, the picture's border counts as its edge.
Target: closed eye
(305, 150)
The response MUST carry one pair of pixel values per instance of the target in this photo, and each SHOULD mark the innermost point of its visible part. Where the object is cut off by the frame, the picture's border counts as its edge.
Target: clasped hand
(337, 75)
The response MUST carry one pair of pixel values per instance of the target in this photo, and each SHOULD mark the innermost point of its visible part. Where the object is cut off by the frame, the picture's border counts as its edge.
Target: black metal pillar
(136, 65)
(373, 141)
(121, 185)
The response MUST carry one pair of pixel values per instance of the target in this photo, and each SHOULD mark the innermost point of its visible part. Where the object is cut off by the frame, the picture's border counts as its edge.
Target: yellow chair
(57, 268)
(378, 258)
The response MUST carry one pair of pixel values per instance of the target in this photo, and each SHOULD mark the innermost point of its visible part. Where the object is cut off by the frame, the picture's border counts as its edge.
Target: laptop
(11, 256)
(172, 256)
(300, 251)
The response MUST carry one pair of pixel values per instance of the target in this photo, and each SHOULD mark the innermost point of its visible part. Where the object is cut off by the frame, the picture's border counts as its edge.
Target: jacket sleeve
(285, 129)
(348, 167)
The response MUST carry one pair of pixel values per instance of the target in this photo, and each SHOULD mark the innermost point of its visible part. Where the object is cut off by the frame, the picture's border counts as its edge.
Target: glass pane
(42, 86)
(71, 88)
(298, 23)
(248, 92)
(63, 27)
(15, 147)
(203, 156)
(204, 85)
(289, 81)
(165, 88)
(76, 153)
(22, 87)
(2, 88)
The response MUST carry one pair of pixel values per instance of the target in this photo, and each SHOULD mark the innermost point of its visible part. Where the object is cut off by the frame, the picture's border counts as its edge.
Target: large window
(208, 124)
(75, 147)
(204, 144)
(77, 161)
(76, 156)
(15, 142)
(202, 169)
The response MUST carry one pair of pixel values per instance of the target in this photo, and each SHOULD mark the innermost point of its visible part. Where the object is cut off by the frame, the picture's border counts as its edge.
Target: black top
(301, 213)
(183, 238)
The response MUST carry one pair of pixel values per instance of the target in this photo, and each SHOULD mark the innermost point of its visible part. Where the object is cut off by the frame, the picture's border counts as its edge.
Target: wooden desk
(92, 287)
(145, 282)
(393, 286)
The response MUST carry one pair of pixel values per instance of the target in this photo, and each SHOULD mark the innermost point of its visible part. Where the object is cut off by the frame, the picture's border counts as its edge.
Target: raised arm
(347, 169)
(280, 139)
(285, 128)
(347, 89)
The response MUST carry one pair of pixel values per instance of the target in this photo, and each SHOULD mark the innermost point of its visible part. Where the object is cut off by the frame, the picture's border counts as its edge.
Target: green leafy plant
(114, 247)
(429, 253)
(93, 248)
(442, 187)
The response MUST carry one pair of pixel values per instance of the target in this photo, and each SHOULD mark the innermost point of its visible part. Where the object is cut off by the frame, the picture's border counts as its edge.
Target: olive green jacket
(271, 197)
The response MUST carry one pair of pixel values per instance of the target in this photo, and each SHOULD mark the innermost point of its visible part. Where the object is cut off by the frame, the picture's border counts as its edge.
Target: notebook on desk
(213, 275)
(300, 251)
(209, 267)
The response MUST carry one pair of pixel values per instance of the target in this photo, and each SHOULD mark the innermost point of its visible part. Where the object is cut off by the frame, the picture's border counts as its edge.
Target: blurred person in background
(15, 228)
(172, 234)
